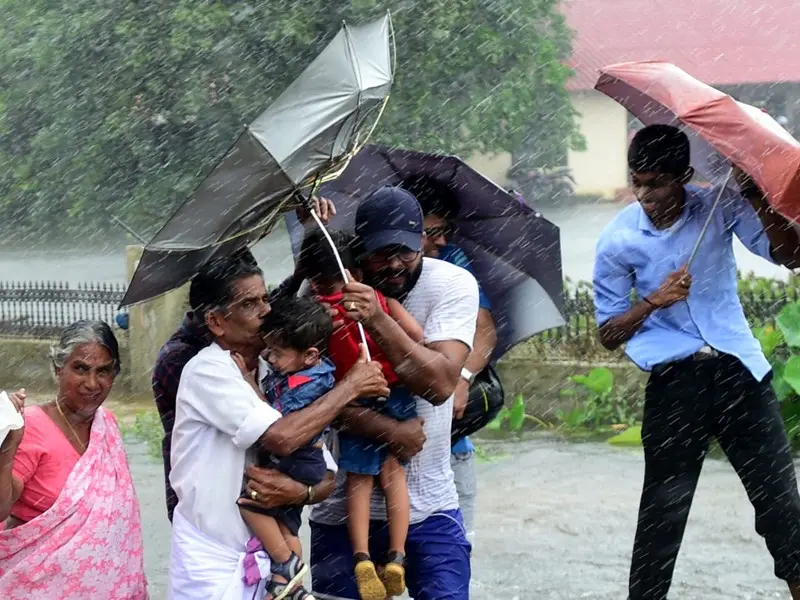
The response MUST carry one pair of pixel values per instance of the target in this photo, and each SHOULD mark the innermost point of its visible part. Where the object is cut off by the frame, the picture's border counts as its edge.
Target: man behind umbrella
(436, 245)
(443, 298)
(708, 376)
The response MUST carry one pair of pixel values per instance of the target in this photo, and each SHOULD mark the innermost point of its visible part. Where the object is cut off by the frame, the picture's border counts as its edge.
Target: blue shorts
(366, 456)
(306, 465)
(437, 558)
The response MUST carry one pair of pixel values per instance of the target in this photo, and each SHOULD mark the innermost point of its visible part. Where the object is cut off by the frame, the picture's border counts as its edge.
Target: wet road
(556, 522)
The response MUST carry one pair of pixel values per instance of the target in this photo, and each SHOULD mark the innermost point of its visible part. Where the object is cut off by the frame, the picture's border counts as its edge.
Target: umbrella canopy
(722, 130)
(515, 252)
(309, 131)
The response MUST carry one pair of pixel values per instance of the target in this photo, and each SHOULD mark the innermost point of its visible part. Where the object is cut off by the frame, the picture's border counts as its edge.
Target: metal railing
(40, 309)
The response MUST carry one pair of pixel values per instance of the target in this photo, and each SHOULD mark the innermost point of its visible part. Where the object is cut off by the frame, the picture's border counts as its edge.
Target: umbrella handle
(344, 274)
(710, 216)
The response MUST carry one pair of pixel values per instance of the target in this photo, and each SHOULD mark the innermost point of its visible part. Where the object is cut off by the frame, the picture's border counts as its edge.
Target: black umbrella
(515, 252)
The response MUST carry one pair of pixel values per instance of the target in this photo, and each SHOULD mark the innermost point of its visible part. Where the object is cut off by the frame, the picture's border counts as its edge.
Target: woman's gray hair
(80, 333)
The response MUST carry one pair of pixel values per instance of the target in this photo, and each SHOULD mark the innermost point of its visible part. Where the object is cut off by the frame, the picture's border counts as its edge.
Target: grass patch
(146, 428)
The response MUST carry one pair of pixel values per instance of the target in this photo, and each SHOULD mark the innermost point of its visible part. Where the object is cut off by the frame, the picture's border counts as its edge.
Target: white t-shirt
(445, 302)
(218, 417)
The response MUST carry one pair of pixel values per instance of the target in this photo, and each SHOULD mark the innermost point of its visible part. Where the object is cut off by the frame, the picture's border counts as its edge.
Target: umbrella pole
(710, 216)
(344, 274)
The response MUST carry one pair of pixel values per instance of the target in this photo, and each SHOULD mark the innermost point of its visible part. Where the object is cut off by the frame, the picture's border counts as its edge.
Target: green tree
(113, 105)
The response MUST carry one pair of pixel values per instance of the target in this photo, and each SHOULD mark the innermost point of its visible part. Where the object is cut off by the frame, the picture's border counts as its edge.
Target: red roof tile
(718, 41)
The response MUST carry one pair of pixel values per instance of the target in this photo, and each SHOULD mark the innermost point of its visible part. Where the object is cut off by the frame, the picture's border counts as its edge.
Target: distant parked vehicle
(543, 186)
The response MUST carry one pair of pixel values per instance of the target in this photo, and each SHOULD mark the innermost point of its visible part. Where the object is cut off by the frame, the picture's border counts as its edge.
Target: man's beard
(379, 280)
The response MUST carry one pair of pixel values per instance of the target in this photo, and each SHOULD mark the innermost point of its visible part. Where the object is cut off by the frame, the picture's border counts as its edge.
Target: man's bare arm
(297, 429)
(274, 489)
(783, 238)
(485, 342)
(405, 439)
(617, 331)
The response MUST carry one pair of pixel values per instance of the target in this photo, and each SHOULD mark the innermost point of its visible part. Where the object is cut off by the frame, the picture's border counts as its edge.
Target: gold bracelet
(310, 494)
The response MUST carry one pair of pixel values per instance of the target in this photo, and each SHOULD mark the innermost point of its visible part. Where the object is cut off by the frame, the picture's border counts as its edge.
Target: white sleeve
(329, 462)
(215, 393)
(455, 314)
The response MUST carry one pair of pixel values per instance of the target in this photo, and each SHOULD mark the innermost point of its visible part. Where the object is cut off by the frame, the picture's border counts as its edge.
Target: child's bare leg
(268, 532)
(398, 508)
(291, 540)
(359, 493)
(398, 505)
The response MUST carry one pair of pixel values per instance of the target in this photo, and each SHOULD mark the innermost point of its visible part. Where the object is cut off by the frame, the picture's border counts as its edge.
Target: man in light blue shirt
(709, 377)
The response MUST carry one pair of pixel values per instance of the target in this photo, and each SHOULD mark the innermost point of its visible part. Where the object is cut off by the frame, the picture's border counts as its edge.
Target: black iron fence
(762, 300)
(41, 309)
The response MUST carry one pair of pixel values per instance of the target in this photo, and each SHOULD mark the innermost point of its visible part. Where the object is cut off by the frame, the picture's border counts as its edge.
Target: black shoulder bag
(486, 398)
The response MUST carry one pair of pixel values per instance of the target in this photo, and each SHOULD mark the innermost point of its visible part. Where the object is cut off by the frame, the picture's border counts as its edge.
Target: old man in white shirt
(218, 418)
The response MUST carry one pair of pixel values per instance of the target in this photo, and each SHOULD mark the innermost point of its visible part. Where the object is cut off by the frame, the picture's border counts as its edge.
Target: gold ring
(254, 495)
(352, 306)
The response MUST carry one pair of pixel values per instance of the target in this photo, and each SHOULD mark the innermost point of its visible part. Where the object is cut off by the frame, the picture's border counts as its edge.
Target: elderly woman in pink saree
(72, 528)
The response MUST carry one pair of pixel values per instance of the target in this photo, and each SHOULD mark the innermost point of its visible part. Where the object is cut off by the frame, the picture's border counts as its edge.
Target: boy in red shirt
(360, 458)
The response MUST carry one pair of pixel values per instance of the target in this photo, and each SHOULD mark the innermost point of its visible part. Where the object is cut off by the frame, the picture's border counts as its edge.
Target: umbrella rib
(353, 56)
(339, 262)
(710, 217)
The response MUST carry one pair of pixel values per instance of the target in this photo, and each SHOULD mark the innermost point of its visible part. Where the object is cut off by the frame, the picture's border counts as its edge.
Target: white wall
(601, 169)
(493, 166)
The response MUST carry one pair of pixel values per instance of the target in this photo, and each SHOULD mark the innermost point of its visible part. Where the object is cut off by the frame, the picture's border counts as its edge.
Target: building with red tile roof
(722, 42)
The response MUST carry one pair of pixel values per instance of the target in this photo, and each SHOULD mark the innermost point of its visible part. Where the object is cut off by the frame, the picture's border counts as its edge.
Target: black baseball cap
(389, 216)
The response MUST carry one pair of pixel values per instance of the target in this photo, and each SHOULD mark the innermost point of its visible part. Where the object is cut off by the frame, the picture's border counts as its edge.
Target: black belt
(705, 353)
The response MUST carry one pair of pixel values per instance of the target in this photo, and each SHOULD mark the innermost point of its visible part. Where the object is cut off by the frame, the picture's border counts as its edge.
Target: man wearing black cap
(443, 298)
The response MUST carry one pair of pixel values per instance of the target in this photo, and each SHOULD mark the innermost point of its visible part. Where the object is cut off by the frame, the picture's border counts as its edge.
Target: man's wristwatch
(467, 375)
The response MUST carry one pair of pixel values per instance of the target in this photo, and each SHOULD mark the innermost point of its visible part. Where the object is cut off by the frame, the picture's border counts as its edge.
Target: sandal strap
(289, 569)
(396, 558)
(276, 588)
(300, 593)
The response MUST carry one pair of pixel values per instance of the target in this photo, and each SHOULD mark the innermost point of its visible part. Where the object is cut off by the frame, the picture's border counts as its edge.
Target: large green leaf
(788, 322)
(791, 373)
(769, 338)
(782, 389)
(517, 416)
(497, 423)
(599, 380)
(573, 419)
(632, 436)
(790, 411)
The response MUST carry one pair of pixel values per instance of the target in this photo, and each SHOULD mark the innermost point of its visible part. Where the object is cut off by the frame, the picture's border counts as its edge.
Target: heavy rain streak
(360, 300)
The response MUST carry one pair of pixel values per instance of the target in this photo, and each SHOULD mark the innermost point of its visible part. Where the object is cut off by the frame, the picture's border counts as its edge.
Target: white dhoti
(201, 568)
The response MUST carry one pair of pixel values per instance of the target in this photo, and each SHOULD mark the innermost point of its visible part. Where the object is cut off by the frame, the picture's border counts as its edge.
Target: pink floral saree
(88, 546)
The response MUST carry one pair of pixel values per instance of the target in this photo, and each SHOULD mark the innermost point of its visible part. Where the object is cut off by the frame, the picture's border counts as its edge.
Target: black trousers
(686, 404)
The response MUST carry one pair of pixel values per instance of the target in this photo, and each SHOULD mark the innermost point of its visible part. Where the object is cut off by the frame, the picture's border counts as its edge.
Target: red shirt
(343, 346)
